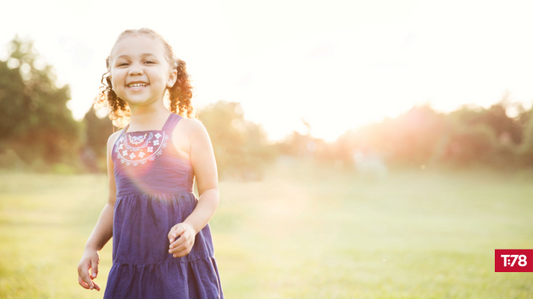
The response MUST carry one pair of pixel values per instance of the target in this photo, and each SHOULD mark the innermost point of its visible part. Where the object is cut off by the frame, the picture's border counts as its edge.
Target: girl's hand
(185, 235)
(89, 260)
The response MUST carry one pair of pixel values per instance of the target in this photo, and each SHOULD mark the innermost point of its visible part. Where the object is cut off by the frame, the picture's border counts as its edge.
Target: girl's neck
(148, 117)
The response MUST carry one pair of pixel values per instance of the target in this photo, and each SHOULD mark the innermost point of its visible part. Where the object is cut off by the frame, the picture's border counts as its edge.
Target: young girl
(162, 246)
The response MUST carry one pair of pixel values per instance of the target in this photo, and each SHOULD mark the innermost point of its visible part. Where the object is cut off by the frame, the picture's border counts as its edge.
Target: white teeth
(138, 85)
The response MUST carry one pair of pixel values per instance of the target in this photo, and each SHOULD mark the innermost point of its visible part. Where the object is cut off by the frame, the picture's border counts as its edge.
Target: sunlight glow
(339, 64)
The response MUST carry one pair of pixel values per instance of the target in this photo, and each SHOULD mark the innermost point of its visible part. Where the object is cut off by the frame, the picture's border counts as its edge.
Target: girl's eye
(148, 61)
(122, 64)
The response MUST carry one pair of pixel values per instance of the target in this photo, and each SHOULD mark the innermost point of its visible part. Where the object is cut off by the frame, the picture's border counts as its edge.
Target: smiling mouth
(137, 85)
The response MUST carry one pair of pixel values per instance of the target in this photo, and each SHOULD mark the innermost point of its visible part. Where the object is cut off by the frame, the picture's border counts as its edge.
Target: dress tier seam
(175, 193)
(182, 260)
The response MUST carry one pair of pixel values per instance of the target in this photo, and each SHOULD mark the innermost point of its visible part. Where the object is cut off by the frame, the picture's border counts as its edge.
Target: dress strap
(171, 123)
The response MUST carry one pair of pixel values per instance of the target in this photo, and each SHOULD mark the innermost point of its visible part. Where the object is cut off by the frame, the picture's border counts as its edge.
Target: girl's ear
(172, 78)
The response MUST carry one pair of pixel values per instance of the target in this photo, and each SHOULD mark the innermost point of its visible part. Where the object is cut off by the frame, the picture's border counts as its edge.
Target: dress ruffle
(142, 266)
(191, 279)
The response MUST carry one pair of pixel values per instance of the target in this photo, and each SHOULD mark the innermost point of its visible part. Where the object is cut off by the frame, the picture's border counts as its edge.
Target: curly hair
(180, 94)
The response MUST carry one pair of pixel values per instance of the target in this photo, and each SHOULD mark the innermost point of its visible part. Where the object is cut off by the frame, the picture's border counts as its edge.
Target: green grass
(304, 232)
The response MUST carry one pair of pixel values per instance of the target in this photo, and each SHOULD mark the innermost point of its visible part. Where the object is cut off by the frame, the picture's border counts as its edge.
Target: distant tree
(526, 148)
(495, 117)
(421, 136)
(97, 131)
(479, 135)
(471, 144)
(240, 146)
(295, 144)
(34, 119)
(412, 138)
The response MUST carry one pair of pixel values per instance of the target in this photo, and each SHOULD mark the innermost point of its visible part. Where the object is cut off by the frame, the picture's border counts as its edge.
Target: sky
(336, 64)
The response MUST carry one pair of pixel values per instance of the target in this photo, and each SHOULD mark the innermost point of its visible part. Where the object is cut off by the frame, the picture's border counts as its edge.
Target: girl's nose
(135, 72)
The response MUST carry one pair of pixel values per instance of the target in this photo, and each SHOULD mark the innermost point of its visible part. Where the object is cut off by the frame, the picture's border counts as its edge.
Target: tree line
(468, 136)
(38, 132)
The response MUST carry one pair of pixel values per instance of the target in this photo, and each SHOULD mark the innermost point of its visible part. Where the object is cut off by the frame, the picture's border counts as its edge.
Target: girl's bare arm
(204, 166)
(103, 230)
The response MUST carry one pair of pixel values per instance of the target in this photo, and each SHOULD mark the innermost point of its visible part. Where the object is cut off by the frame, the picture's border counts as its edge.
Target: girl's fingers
(182, 249)
(182, 253)
(94, 269)
(97, 287)
(86, 285)
(182, 239)
(179, 244)
(176, 231)
(83, 274)
(177, 248)
(82, 283)
(85, 278)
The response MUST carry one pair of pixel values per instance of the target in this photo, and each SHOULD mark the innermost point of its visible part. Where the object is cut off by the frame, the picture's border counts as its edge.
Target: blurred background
(377, 149)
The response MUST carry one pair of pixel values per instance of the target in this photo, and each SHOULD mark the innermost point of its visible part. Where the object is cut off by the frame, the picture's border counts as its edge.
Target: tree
(526, 148)
(34, 120)
(240, 146)
(97, 131)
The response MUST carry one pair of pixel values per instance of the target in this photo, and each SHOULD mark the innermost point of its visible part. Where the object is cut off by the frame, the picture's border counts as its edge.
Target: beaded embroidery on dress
(132, 150)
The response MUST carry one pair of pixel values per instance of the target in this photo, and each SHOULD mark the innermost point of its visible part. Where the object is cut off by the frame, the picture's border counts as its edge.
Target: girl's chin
(138, 101)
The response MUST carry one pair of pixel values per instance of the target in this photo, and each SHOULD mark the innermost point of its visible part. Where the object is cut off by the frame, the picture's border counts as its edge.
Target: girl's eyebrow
(142, 55)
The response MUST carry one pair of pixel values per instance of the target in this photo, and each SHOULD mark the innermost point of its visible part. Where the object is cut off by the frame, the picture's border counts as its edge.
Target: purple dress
(154, 193)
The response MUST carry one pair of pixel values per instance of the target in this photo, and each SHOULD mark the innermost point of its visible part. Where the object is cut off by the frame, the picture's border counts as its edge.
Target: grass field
(302, 232)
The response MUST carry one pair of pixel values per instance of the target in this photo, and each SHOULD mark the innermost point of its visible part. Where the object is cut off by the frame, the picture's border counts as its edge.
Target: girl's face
(140, 73)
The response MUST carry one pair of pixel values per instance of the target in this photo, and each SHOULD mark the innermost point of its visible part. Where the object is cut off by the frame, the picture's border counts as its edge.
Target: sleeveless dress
(154, 193)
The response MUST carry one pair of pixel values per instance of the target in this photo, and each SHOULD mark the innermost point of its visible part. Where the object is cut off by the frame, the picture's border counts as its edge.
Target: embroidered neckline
(132, 148)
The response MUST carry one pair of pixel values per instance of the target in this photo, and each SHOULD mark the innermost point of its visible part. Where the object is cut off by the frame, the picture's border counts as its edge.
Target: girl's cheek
(116, 80)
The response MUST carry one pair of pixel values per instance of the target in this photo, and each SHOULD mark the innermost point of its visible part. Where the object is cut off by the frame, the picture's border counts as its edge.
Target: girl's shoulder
(113, 137)
(194, 127)
(191, 126)
(111, 142)
(193, 130)
(187, 134)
